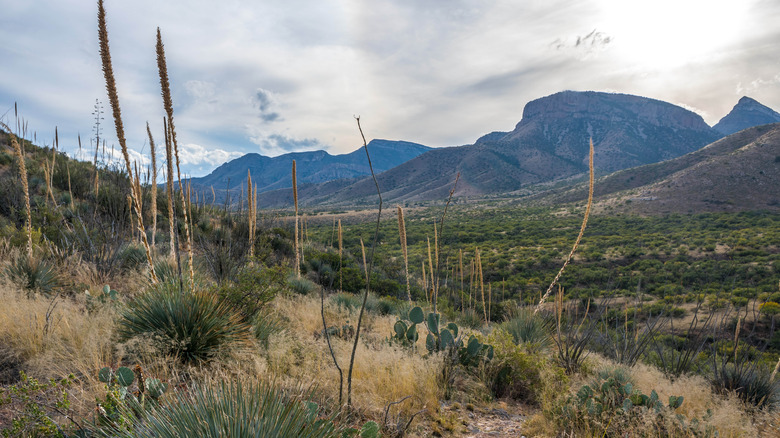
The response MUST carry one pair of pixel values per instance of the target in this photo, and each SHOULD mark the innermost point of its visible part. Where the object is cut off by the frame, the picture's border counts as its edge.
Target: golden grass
(383, 373)
(728, 413)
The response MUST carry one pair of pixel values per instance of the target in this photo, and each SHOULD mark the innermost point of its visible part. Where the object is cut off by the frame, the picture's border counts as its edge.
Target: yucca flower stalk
(295, 200)
(169, 186)
(402, 233)
(108, 73)
(168, 104)
(579, 236)
(430, 289)
(365, 265)
(25, 185)
(154, 183)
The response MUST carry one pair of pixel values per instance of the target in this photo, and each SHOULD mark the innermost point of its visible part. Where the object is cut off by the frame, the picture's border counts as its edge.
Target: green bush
(301, 285)
(233, 410)
(513, 372)
(192, 325)
(35, 405)
(529, 329)
(751, 384)
(33, 274)
(252, 289)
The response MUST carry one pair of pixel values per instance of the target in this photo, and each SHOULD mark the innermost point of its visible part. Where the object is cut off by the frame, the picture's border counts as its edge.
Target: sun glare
(664, 34)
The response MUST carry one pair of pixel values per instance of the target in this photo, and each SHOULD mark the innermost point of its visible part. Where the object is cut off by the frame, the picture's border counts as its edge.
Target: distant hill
(548, 144)
(270, 173)
(738, 172)
(746, 114)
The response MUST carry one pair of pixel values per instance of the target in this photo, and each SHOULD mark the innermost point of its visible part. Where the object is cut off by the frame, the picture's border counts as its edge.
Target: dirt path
(500, 420)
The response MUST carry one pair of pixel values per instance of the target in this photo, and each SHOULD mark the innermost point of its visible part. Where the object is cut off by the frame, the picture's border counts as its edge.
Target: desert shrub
(609, 405)
(33, 274)
(529, 329)
(301, 285)
(235, 410)
(36, 405)
(751, 384)
(512, 372)
(131, 256)
(252, 289)
(191, 325)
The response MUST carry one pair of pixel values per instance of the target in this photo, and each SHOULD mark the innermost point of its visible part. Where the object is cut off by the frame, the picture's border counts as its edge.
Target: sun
(666, 34)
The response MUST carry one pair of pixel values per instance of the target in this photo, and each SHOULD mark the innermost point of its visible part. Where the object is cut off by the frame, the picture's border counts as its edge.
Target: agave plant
(234, 410)
(191, 325)
(532, 330)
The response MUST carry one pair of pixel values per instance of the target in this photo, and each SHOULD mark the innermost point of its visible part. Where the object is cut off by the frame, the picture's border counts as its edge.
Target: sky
(276, 76)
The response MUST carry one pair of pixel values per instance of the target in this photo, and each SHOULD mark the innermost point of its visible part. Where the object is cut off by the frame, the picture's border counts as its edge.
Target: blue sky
(279, 76)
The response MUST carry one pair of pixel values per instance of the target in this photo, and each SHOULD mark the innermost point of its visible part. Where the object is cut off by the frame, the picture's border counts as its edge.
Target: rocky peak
(612, 107)
(746, 114)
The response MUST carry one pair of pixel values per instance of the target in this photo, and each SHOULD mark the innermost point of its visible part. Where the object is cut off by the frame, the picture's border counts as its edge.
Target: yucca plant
(529, 329)
(191, 325)
(751, 384)
(234, 410)
(33, 274)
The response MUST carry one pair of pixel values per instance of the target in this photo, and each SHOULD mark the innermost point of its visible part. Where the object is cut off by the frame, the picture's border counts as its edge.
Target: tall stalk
(168, 103)
(154, 184)
(113, 97)
(579, 236)
(368, 273)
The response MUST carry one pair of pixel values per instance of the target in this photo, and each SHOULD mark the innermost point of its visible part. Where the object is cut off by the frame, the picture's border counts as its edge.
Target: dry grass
(728, 414)
(383, 373)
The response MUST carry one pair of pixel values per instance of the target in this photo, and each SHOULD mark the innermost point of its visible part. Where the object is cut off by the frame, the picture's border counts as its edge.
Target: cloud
(264, 101)
(277, 144)
(583, 46)
(192, 154)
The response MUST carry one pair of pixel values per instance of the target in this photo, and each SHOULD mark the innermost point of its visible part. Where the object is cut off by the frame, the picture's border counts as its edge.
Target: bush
(749, 383)
(233, 410)
(300, 285)
(512, 372)
(254, 286)
(610, 406)
(191, 325)
(529, 329)
(33, 274)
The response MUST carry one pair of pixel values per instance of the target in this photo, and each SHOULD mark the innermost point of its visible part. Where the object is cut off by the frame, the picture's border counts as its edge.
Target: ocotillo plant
(296, 246)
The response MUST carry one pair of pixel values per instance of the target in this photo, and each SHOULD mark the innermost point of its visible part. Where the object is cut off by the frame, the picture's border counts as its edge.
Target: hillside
(739, 172)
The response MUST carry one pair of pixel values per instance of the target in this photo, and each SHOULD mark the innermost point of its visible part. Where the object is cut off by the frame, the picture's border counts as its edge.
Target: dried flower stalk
(113, 97)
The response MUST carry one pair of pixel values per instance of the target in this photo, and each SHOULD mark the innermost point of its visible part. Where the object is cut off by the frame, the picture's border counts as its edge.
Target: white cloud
(194, 154)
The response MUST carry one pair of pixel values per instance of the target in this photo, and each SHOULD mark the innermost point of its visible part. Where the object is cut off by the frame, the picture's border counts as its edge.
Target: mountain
(738, 172)
(549, 143)
(312, 167)
(745, 114)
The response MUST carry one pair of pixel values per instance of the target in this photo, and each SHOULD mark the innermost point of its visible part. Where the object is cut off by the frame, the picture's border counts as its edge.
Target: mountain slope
(312, 167)
(745, 114)
(548, 144)
(738, 172)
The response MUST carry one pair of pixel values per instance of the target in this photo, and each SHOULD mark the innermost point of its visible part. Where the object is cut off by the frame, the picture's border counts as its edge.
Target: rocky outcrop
(746, 114)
